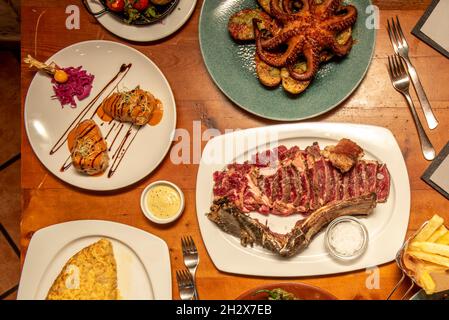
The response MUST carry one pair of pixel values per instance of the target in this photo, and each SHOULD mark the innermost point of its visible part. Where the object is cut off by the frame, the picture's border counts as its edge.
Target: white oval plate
(143, 262)
(387, 225)
(153, 32)
(46, 121)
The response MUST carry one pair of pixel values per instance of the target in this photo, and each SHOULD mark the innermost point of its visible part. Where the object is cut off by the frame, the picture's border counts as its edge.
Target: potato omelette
(91, 274)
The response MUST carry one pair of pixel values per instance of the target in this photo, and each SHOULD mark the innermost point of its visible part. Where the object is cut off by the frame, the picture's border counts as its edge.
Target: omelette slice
(91, 274)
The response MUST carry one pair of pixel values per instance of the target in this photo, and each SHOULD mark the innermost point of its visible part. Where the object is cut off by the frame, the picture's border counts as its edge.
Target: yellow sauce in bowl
(163, 201)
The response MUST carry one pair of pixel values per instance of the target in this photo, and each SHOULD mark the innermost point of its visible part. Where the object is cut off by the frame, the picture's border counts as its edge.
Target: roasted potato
(269, 76)
(241, 28)
(291, 85)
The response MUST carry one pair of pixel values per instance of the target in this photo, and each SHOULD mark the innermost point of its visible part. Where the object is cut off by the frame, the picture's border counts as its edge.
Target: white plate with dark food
(266, 217)
(118, 132)
(93, 259)
(145, 33)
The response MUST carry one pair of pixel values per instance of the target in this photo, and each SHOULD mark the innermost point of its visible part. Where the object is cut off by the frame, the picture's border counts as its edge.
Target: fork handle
(426, 146)
(432, 122)
(193, 273)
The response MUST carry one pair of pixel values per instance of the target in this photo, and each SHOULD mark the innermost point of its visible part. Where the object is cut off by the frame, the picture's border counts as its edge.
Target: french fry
(429, 257)
(430, 247)
(426, 282)
(444, 239)
(441, 231)
(427, 231)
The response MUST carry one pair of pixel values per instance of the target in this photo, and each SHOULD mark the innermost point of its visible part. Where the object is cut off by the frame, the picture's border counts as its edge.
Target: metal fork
(191, 258)
(401, 48)
(185, 285)
(401, 82)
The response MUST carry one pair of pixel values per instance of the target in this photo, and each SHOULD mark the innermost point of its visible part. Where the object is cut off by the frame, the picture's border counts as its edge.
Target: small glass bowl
(358, 252)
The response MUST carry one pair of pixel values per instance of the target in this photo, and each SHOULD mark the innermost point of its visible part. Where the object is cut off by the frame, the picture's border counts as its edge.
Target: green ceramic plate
(232, 67)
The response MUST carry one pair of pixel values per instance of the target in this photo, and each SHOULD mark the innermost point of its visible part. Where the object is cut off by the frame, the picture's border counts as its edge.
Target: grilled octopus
(88, 149)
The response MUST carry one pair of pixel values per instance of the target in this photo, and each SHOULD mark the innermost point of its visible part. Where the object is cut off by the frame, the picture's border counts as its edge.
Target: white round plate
(143, 260)
(46, 120)
(156, 31)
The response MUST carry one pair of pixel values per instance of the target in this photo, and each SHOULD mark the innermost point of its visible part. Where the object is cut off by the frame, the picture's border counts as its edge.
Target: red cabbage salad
(79, 85)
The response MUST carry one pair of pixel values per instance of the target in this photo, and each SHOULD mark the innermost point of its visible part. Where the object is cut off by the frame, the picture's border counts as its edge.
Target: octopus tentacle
(277, 40)
(288, 5)
(328, 7)
(279, 13)
(342, 21)
(278, 59)
(340, 49)
(313, 60)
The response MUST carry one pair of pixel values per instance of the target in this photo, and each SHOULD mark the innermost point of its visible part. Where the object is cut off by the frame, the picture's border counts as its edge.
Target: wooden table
(47, 200)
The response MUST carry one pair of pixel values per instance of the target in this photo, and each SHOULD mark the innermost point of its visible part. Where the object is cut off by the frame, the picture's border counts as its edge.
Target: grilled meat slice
(88, 149)
(250, 231)
(286, 181)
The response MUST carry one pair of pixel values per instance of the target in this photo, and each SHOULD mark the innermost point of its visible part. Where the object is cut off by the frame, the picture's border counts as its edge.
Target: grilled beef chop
(287, 181)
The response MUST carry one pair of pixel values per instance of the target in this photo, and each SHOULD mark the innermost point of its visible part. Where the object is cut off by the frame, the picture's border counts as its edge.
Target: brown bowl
(300, 290)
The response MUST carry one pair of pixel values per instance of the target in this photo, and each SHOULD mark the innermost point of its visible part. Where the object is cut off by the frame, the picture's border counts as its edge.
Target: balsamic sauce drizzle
(128, 133)
(119, 158)
(110, 130)
(67, 164)
(62, 140)
(116, 135)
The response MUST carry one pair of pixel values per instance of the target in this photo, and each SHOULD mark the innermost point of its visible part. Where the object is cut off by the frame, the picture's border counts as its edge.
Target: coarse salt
(346, 238)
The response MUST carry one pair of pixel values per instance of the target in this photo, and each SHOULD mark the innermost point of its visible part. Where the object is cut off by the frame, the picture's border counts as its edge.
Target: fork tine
(182, 244)
(396, 34)
(181, 278)
(393, 67)
(401, 69)
(401, 34)
(392, 39)
(401, 66)
(192, 245)
(178, 278)
(187, 244)
(188, 280)
(396, 66)
(389, 68)
(392, 36)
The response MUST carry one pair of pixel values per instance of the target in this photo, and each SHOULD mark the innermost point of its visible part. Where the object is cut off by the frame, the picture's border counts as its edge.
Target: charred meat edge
(250, 231)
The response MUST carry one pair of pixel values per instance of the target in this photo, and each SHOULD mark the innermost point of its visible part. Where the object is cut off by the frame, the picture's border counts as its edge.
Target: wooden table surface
(47, 200)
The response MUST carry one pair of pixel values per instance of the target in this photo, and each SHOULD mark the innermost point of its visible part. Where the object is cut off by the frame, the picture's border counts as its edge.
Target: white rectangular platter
(387, 225)
(143, 262)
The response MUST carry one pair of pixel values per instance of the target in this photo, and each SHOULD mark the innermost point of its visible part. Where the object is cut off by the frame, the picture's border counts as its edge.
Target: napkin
(433, 26)
(437, 174)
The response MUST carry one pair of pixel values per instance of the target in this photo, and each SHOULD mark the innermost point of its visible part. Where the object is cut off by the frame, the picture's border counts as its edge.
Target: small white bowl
(147, 212)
